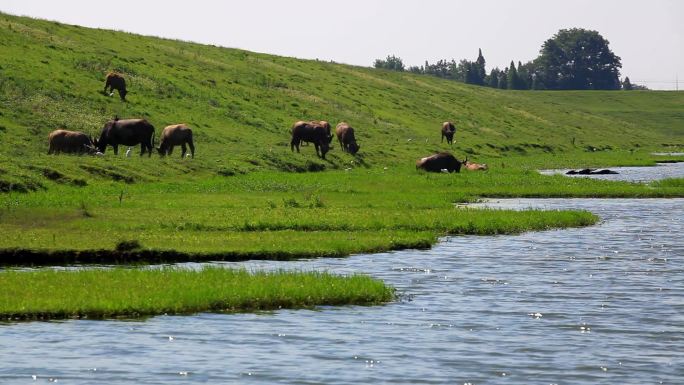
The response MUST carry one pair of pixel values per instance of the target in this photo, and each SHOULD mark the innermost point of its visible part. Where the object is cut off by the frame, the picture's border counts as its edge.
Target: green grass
(109, 293)
(285, 216)
(241, 105)
(246, 195)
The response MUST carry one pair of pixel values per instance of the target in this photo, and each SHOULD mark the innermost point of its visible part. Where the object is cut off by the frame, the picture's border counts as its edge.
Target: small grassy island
(120, 292)
(247, 195)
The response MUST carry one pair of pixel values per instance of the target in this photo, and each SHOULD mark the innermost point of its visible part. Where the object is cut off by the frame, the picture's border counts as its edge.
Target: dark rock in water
(604, 172)
(571, 172)
(585, 171)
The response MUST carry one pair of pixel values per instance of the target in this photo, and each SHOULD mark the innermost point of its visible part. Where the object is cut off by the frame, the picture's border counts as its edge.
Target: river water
(598, 305)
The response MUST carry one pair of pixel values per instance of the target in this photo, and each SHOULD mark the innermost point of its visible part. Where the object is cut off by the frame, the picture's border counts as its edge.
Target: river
(597, 305)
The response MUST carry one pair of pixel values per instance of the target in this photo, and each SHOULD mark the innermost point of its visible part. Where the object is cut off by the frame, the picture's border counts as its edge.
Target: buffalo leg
(116, 149)
(169, 150)
(294, 144)
(183, 150)
(317, 151)
(192, 149)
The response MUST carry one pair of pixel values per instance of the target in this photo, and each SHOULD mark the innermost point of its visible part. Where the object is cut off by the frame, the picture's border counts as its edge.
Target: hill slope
(241, 106)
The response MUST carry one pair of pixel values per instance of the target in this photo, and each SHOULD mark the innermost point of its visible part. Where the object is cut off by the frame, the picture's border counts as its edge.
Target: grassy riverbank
(99, 293)
(241, 106)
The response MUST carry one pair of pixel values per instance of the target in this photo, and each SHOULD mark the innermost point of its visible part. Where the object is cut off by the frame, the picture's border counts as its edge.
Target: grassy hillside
(242, 104)
(232, 201)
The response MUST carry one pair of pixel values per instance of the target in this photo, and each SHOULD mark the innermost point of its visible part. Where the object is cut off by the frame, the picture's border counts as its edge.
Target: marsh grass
(125, 292)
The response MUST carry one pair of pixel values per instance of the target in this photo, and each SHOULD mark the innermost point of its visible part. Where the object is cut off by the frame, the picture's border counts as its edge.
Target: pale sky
(648, 35)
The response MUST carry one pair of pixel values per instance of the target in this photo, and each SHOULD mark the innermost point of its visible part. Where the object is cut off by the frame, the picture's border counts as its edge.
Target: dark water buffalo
(345, 135)
(589, 171)
(176, 135)
(70, 142)
(316, 132)
(116, 81)
(127, 132)
(474, 166)
(439, 162)
(448, 131)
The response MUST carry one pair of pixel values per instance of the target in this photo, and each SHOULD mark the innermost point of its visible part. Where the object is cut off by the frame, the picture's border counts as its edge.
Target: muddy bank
(28, 257)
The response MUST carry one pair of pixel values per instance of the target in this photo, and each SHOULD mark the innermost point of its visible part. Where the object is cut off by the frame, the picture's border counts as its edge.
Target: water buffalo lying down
(127, 132)
(448, 131)
(115, 81)
(589, 171)
(474, 166)
(312, 132)
(345, 135)
(70, 142)
(176, 135)
(439, 162)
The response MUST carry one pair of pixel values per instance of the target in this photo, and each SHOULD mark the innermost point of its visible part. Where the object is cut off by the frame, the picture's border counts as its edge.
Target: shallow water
(598, 305)
(632, 174)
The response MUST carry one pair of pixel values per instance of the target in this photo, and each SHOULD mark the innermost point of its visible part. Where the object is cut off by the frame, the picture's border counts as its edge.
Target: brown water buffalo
(448, 131)
(474, 166)
(176, 135)
(116, 81)
(345, 135)
(316, 132)
(439, 162)
(127, 132)
(70, 142)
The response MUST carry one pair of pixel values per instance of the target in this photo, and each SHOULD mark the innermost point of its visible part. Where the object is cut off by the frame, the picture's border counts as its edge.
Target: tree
(493, 78)
(503, 79)
(513, 79)
(578, 59)
(391, 63)
(627, 85)
(479, 69)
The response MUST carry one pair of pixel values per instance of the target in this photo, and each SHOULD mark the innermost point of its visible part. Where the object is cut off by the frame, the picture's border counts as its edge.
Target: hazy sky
(648, 35)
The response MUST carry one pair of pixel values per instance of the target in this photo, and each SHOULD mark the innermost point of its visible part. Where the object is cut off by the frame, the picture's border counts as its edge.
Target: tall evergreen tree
(479, 67)
(513, 80)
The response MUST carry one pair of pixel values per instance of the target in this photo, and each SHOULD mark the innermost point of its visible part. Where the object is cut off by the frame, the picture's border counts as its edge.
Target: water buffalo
(439, 162)
(448, 131)
(116, 81)
(70, 142)
(314, 132)
(589, 171)
(127, 132)
(345, 135)
(176, 135)
(474, 166)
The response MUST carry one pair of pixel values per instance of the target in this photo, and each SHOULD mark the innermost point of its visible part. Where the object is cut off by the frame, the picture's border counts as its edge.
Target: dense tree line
(573, 59)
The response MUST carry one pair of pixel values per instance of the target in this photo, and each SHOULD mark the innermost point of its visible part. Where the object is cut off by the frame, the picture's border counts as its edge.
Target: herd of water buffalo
(131, 132)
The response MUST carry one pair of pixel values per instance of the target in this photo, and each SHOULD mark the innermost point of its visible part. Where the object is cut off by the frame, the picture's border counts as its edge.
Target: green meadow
(98, 293)
(246, 195)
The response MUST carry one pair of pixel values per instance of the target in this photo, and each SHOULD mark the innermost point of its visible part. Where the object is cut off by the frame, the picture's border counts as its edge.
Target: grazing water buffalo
(70, 142)
(115, 81)
(345, 135)
(127, 132)
(439, 162)
(474, 166)
(176, 135)
(448, 131)
(316, 132)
